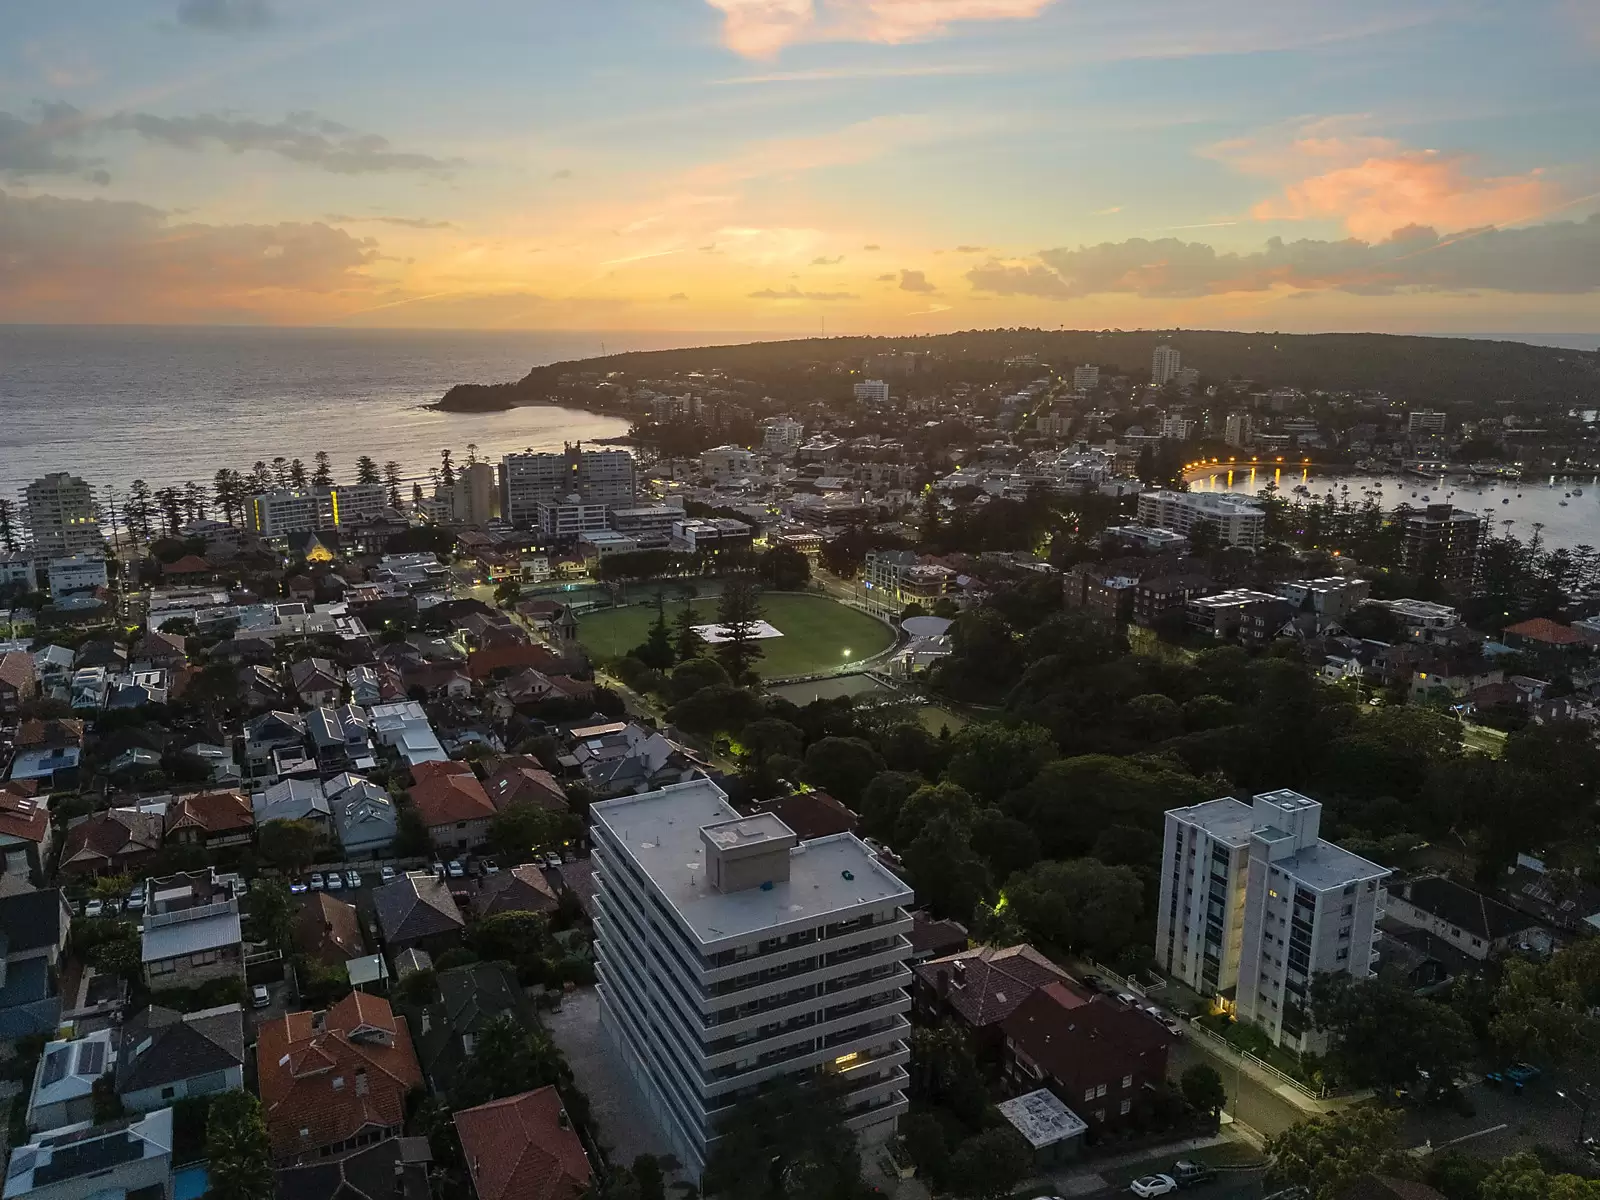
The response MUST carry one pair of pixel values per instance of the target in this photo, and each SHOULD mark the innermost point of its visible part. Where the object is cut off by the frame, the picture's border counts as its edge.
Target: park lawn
(818, 634)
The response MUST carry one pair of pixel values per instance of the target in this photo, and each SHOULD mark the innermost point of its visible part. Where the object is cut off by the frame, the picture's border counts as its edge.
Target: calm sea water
(113, 404)
(1567, 519)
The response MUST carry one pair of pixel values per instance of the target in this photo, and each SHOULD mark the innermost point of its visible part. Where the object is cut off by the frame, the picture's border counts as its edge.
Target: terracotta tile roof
(482, 663)
(16, 669)
(211, 812)
(329, 930)
(986, 985)
(1072, 1036)
(1543, 629)
(322, 1086)
(105, 837)
(521, 889)
(811, 814)
(189, 564)
(51, 732)
(521, 1148)
(445, 797)
(520, 779)
(22, 816)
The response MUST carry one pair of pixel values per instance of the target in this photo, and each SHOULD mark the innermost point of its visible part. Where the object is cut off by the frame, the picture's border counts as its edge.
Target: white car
(352, 879)
(1129, 999)
(316, 881)
(386, 873)
(456, 869)
(552, 860)
(335, 881)
(259, 996)
(135, 900)
(94, 908)
(1153, 1185)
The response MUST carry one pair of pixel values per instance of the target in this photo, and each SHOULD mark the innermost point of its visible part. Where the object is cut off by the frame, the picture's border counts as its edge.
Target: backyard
(818, 634)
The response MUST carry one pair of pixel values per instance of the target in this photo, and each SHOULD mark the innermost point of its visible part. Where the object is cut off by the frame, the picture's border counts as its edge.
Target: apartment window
(1088, 1093)
(1127, 1107)
(1344, 930)
(1349, 910)
(1100, 1091)
(1344, 953)
(1127, 1081)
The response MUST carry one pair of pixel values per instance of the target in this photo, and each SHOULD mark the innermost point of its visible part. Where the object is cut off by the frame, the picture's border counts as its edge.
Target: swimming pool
(189, 1183)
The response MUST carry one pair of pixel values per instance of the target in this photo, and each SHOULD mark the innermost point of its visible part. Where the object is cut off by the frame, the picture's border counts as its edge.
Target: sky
(838, 166)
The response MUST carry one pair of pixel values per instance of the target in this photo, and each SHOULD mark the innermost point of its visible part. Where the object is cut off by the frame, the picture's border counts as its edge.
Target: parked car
(335, 881)
(456, 869)
(94, 908)
(552, 860)
(1129, 999)
(1172, 1026)
(135, 901)
(316, 881)
(297, 886)
(259, 996)
(1192, 1174)
(438, 869)
(352, 879)
(386, 873)
(1153, 1185)
(488, 867)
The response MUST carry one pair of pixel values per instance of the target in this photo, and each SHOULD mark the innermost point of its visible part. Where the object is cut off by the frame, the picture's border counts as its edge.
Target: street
(1250, 1102)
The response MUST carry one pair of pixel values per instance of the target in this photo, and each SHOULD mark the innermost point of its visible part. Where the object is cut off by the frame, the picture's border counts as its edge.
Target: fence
(1127, 983)
(1228, 1050)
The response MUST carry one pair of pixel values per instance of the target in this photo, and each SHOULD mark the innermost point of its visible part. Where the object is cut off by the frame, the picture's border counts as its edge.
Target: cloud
(889, 278)
(971, 249)
(225, 16)
(303, 138)
(761, 28)
(1329, 170)
(41, 146)
(1106, 212)
(1556, 258)
(836, 74)
(406, 222)
(794, 293)
(915, 281)
(564, 173)
(824, 261)
(872, 246)
(677, 297)
(99, 260)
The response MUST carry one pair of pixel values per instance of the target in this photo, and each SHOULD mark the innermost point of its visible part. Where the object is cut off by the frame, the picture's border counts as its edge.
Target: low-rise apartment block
(191, 931)
(1230, 520)
(306, 510)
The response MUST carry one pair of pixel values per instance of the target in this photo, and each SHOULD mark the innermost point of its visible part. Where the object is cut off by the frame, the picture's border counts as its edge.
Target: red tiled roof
(53, 732)
(189, 564)
(483, 663)
(991, 983)
(22, 816)
(1072, 1036)
(211, 812)
(520, 1148)
(523, 888)
(16, 669)
(108, 836)
(329, 930)
(520, 779)
(1543, 629)
(323, 1086)
(444, 797)
(812, 814)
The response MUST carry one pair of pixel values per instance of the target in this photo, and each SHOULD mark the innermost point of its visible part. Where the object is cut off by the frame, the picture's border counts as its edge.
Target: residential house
(437, 680)
(979, 988)
(1543, 634)
(131, 1158)
(622, 758)
(932, 939)
(212, 820)
(25, 831)
(63, 1081)
(293, 800)
(19, 681)
(165, 1056)
(1477, 925)
(522, 888)
(365, 819)
(507, 658)
(33, 934)
(469, 998)
(405, 728)
(1104, 1059)
(267, 735)
(224, 768)
(117, 842)
(1562, 900)
(261, 688)
(522, 779)
(1457, 675)
(328, 930)
(317, 682)
(335, 1081)
(371, 685)
(523, 1148)
(165, 651)
(395, 1169)
(452, 804)
(341, 738)
(191, 931)
(418, 911)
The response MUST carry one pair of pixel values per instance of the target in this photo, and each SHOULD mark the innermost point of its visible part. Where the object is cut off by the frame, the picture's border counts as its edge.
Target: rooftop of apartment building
(671, 834)
(1214, 501)
(1317, 863)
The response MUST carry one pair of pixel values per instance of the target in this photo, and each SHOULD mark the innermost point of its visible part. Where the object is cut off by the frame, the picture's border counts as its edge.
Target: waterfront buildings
(1441, 541)
(596, 477)
(306, 510)
(59, 511)
(1236, 429)
(1230, 520)
(1164, 365)
(1254, 905)
(1425, 421)
(1178, 429)
(730, 953)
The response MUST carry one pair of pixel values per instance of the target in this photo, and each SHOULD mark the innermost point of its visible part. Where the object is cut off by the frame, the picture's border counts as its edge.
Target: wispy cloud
(405, 222)
(633, 258)
(915, 281)
(761, 28)
(226, 16)
(794, 293)
(1204, 225)
(837, 74)
(972, 249)
(824, 261)
(303, 138)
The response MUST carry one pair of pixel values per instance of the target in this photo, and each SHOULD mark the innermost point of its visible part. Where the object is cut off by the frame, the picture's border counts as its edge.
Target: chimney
(563, 1120)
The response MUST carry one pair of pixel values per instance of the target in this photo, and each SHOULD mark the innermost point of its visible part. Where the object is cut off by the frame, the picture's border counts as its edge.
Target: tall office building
(872, 392)
(594, 476)
(306, 510)
(1441, 542)
(1232, 521)
(1164, 365)
(730, 953)
(1255, 905)
(1085, 378)
(59, 511)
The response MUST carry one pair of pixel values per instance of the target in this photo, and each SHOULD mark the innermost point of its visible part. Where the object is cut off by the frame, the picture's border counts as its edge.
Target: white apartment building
(603, 477)
(17, 568)
(724, 464)
(1254, 905)
(1164, 365)
(475, 496)
(1178, 429)
(306, 510)
(1233, 521)
(59, 511)
(77, 573)
(1236, 430)
(782, 435)
(872, 392)
(1085, 378)
(571, 518)
(1425, 421)
(730, 953)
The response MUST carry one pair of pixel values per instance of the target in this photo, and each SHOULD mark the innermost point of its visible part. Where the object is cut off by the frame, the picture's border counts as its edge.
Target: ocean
(166, 405)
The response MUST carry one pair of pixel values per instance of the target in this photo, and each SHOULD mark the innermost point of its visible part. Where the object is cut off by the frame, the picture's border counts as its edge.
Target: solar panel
(92, 1058)
(55, 1066)
(84, 1158)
